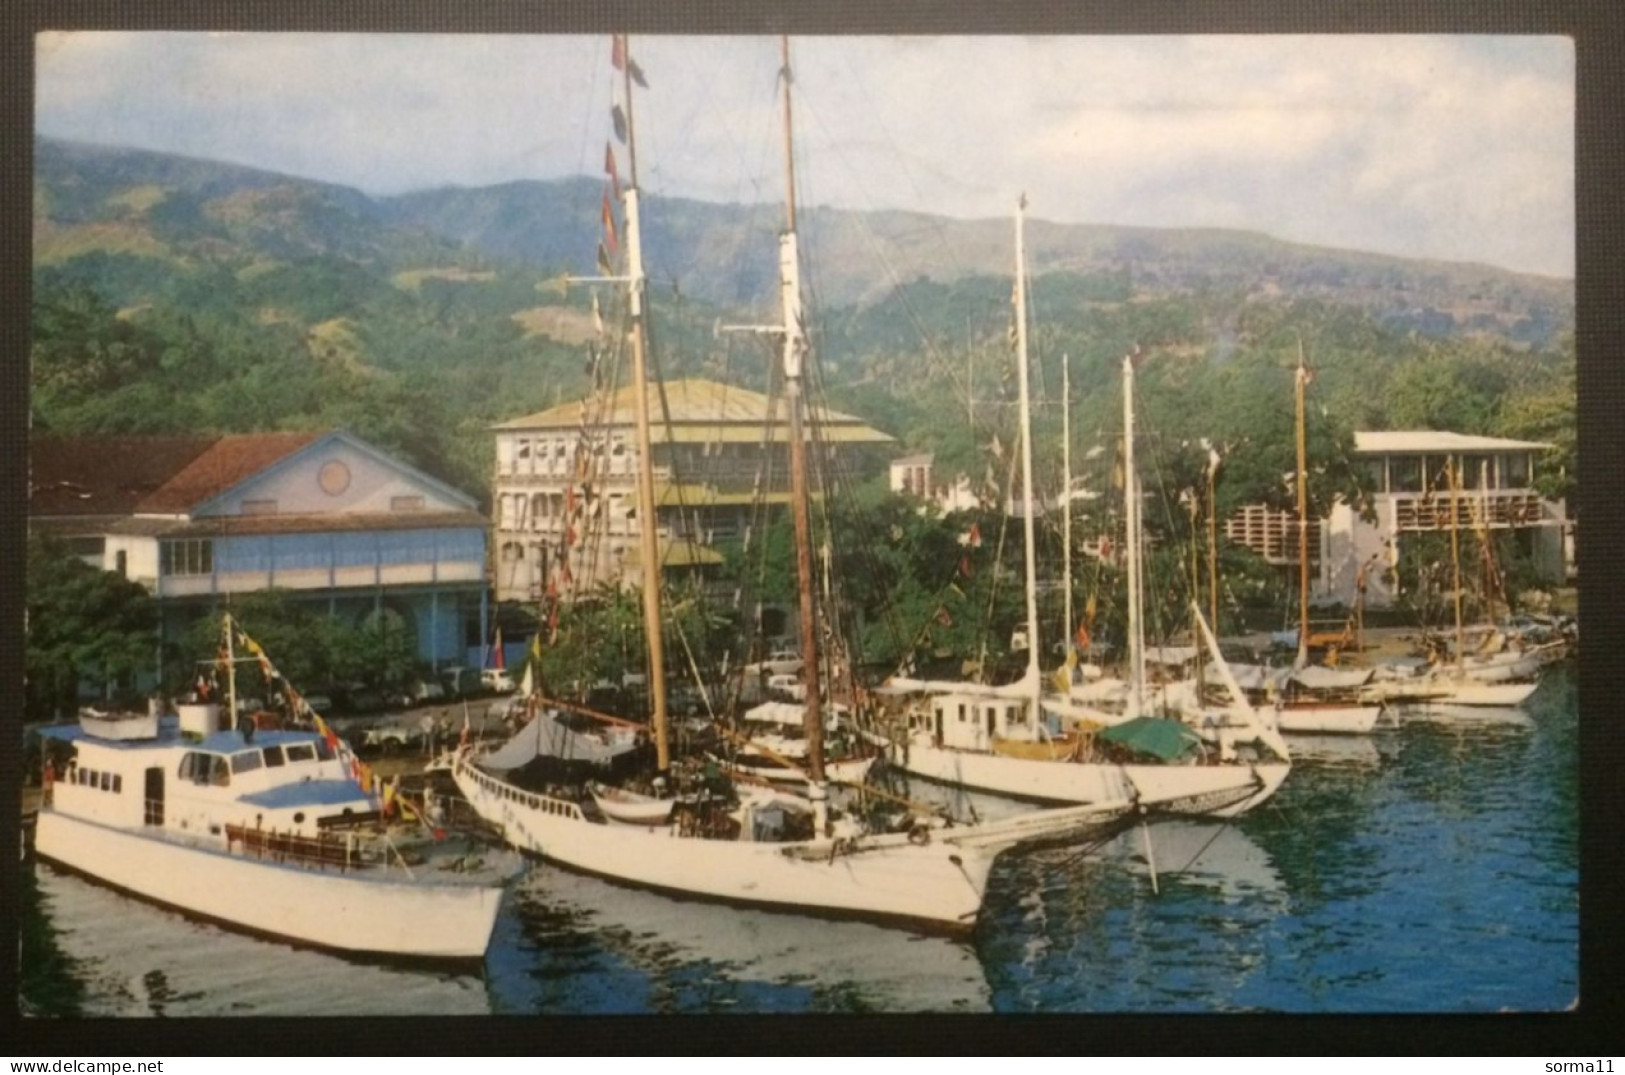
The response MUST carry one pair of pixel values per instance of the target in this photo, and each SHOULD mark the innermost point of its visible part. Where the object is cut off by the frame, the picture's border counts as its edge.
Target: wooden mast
(1068, 628)
(1212, 539)
(1301, 379)
(1131, 543)
(1455, 567)
(795, 351)
(1030, 575)
(648, 536)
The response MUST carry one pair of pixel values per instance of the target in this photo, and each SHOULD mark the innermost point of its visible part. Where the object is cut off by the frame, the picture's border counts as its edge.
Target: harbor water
(1431, 868)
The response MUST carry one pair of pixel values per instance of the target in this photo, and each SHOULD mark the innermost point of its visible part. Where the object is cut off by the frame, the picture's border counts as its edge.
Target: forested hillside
(175, 294)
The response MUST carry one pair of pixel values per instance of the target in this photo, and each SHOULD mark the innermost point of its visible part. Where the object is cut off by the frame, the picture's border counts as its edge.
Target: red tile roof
(93, 475)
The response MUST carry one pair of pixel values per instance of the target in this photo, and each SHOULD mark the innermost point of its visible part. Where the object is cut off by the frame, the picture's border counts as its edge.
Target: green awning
(1168, 740)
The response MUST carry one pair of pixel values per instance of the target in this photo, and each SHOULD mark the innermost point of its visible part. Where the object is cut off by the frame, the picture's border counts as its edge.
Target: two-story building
(1407, 479)
(325, 517)
(565, 496)
(1416, 480)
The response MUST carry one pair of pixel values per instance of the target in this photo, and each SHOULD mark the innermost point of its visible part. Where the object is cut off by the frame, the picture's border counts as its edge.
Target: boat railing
(501, 789)
(324, 850)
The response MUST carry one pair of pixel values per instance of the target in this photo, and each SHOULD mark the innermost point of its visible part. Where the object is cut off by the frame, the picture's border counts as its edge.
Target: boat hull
(1326, 719)
(931, 885)
(1199, 790)
(345, 912)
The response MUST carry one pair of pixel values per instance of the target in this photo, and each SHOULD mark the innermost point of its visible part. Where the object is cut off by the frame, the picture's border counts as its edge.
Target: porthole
(299, 818)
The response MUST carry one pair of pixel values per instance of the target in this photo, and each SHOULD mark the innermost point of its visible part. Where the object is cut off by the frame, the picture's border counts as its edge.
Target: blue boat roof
(169, 735)
(307, 793)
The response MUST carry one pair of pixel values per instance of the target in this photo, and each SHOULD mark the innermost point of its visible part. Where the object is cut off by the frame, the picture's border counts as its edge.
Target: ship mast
(648, 535)
(1034, 683)
(1131, 544)
(1067, 627)
(795, 352)
(1301, 380)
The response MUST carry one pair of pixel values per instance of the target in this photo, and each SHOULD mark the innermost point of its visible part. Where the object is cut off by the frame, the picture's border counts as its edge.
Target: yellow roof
(677, 554)
(701, 412)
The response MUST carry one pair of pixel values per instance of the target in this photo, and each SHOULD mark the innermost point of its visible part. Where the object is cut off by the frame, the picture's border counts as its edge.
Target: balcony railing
(1495, 511)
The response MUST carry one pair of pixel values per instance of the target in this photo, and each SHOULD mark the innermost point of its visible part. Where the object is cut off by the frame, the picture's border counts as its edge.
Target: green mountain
(179, 294)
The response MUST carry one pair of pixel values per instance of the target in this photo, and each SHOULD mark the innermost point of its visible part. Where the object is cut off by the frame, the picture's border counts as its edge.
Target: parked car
(498, 681)
(461, 682)
(423, 692)
(787, 686)
(778, 663)
(368, 700)
(392, 737)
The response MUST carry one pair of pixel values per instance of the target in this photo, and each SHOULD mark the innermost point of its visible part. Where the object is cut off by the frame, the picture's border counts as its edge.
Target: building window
(259, 507)
(1515, 474)
(121, 563)
(406, 503)
(192, 556)
(1405, 472)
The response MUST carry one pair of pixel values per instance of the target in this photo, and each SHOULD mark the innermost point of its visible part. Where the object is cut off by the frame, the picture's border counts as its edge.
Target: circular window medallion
(334, 477)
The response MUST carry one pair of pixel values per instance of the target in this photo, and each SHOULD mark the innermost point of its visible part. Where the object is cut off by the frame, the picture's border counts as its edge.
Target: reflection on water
(133, 958)
(1431, 868)
(669, 955)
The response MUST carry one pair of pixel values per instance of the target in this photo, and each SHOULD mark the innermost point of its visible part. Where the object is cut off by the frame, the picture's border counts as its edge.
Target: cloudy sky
(1452, 147)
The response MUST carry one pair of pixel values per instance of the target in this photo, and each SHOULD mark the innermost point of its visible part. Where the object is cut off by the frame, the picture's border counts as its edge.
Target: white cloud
(1447, 147)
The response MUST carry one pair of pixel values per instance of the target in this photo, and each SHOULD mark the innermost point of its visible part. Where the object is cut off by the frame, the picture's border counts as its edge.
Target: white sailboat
(768, 852)
(1016, 740)
(1314, 699)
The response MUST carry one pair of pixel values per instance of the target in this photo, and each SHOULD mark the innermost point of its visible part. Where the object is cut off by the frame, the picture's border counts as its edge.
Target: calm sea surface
(1433, 868)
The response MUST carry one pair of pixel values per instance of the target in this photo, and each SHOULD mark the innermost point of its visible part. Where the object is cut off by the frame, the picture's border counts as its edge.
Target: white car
(498, 681)
(789, 686)
(784, 662)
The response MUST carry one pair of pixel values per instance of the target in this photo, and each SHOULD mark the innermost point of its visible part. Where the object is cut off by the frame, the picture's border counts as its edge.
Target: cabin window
(246, 761)
(107, 781)
(301, 752)
(273, 756)
(118, 783)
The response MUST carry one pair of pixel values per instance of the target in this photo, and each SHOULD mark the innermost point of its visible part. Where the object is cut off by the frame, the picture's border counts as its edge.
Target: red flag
(611, 170)
(610, 238)
(498, 660)
(617, 52)
(1083, 636)
(975, 536)
(964, 566)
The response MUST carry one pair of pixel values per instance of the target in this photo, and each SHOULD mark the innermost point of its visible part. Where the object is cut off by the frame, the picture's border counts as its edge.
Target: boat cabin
(970, 721)
(177, 778)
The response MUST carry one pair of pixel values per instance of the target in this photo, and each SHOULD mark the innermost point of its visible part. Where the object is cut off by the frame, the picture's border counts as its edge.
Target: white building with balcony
(325, 517)
(564, 493)
(1412, 492)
